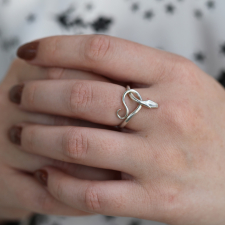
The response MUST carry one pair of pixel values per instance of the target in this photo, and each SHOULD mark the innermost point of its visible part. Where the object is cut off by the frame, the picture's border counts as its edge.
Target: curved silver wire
(148, 104)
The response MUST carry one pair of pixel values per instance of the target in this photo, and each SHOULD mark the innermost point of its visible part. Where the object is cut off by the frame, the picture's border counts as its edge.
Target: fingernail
(15, 93)
(42, 176)
(28, 51)
(15, 135)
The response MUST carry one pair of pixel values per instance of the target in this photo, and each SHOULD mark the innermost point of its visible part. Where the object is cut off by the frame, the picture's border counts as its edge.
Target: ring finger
(87, 146)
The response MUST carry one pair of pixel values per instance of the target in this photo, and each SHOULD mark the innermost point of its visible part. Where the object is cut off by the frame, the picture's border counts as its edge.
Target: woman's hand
(20, 193)
(172, 158)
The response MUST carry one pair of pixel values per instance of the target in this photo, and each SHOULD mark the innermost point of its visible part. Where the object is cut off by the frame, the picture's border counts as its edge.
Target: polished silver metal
(148, 104)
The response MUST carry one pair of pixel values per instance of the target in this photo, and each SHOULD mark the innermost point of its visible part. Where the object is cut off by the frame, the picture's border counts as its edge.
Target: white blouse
(191, 28)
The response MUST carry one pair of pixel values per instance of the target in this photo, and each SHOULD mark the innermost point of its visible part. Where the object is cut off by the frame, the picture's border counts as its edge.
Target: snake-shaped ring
(148, 104)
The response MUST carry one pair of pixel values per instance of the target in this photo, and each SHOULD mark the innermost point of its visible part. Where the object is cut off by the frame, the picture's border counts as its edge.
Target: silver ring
(148, 104)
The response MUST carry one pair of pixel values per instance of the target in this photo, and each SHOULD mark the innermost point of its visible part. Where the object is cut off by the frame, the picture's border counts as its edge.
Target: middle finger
(93, 101)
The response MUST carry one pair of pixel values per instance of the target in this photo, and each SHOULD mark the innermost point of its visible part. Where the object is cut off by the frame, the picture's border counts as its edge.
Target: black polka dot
(221, 78)
(210, 4)
(55, 223)
(38, 219)
(135, 7)
(170, 8)
(101, 24)
(10, 43)
(31, 18)
(199, 57)
(108, 218)
(135, 222)
(149, 14)
(63, 19)
(5, 2)
(89, 6)
(78, 22)
(198, 13)
(160, 48)
(222, 49)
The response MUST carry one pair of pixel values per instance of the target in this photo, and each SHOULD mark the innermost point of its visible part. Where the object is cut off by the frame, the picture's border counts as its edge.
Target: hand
(171, 158)
(20, 192)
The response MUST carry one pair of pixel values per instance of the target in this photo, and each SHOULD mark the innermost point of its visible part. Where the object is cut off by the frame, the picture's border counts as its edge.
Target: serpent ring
(148, 104)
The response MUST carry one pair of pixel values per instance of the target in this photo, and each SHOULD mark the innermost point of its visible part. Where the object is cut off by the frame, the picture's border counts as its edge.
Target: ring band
(148, 104)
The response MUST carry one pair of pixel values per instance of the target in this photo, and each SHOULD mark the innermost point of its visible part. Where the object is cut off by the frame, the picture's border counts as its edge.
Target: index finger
(112, 57)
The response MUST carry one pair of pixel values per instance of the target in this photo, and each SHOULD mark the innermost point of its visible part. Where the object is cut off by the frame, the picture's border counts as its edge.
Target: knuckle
(92, 199)
(75, 144)
(167, 202)
(55, 73)
(81, 97)
(181, 61)
(183, 70)
(183, 66)
(97, 48)
(179, 115)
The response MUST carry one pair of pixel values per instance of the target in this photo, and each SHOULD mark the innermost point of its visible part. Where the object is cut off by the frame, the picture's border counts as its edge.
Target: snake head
(150, 104)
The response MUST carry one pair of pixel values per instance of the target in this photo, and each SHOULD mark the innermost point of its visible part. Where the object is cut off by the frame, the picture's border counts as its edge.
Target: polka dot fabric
(191, 28)
(89, 220)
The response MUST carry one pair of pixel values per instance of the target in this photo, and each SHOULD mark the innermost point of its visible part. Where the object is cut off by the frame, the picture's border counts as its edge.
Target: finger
(54, 120)
(59, 121)
(26, 193)
(21, 71)
(105, 55)
(87, 146)
(93, 101)
(31, 72)
(115, 198)
(15, 157)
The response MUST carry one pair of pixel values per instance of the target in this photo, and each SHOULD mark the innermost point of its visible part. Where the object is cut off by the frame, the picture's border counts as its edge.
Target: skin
(20, 192)
(171, 158)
